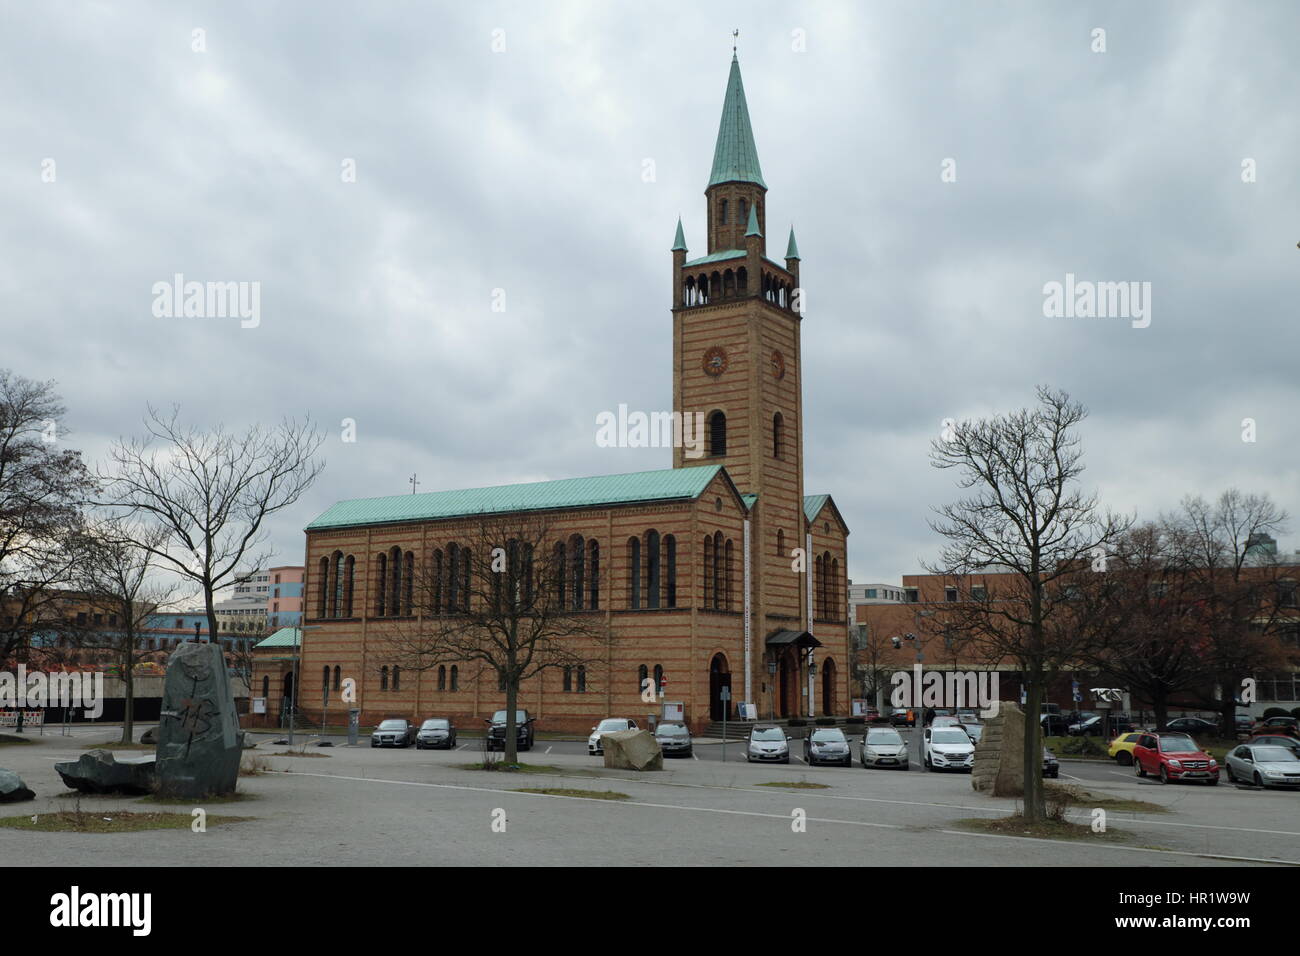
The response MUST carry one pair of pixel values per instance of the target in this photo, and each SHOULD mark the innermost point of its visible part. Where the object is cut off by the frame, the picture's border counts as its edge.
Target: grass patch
(1077, 797)
(121, 821)
(13, 739)
(570, 792)
(188, 802)
(797, 785)
(1017, 825)
(503, 767)
(296, 753)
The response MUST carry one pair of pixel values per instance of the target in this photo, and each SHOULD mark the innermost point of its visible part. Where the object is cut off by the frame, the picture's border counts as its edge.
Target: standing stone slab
(1000, 754)
(632, 750)
(199, 740)
(12, 788)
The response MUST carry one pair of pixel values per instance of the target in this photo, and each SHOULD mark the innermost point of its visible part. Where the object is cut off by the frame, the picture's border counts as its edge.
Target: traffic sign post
(724, 695)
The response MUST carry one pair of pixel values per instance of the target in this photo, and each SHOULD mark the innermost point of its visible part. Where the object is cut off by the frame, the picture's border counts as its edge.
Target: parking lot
(357, 805)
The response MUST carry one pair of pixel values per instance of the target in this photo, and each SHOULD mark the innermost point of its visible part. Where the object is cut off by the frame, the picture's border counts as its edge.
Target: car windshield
(831, 736)
(672, 730)
(393, 725)
(950, 737)
(767, 733)
(1178, 745)
(500, 717)
(884, 738)
(1275, 741)
(975, 730)
(613, 724)
(436, 724)
(1275, 755)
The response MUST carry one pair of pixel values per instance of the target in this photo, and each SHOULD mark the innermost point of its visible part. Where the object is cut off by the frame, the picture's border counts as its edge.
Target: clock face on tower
(715, 360)
(778, 364)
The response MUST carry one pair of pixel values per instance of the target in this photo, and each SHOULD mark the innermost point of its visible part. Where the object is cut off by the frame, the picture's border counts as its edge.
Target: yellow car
(1121, 749)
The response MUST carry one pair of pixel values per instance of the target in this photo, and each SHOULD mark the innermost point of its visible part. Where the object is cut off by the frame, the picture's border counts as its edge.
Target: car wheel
(1214, 781)
(1124, 758)
(1137, 767)
(786, 760)
(1231, 776)
(1259, 781)
(1164, 774)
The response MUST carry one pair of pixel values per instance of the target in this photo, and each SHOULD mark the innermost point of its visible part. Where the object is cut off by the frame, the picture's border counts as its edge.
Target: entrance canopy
(779, 640)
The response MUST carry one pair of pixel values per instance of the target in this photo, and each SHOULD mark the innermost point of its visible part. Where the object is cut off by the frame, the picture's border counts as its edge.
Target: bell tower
(736, 350)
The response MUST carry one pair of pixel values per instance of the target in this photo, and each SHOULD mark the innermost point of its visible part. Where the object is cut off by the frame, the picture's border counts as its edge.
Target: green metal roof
(679, 241)
(813, 504)
(735, 158)
(284, 637)
(792, 248)
(752, 229)
(719, 256)
(663, 485)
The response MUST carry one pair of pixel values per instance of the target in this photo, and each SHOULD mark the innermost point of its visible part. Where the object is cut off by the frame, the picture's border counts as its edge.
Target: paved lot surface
(359, 806)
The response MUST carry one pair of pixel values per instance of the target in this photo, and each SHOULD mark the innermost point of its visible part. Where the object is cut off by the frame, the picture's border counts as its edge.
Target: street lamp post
(771, 689)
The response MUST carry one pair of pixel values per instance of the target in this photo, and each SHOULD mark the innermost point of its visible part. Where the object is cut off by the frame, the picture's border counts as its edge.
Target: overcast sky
(522, 169)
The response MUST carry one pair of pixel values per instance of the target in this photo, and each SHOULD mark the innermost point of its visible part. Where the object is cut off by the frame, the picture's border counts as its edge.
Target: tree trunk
(1160, 705)
(1228, 709)
(1035, 804)
(128, 715)
(512, 698)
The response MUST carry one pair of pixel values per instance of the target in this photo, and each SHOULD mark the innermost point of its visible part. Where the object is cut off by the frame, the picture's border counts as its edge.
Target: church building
(719, 578)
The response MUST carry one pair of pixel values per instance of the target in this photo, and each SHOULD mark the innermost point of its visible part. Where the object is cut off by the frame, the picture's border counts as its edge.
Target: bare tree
(119, 579)
(210, 492)
(1234, 589)
(1026, 516)
(510, 599)
(42, 489)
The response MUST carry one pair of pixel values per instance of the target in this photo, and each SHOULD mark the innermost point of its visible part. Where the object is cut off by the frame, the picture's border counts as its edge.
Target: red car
(1173, 757)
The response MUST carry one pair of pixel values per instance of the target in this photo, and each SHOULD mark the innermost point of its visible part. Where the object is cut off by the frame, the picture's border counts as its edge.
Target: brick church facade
(673, 562)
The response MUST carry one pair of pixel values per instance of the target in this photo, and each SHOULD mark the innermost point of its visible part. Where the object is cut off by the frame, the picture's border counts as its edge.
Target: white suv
(610, 725)
(948, 748)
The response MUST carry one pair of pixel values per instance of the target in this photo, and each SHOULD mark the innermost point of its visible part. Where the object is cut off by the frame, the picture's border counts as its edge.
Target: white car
(1263, 765)
(884, 747)
(610, 725)
(948, 748)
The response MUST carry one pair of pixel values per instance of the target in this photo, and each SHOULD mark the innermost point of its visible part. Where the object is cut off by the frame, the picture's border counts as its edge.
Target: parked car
(1173, 757)
(1275, 740)
(1121, 748)
(945, 720)
(974, 731)
(1263, 765)
(768, 743)
(1051, 766)
(394, 732)
(674, 740)
(948, 748)
(1195, 726)
(968, 717)
(884, 747)
(903, 718)
(610, 725)
(1278, 725)
(524, 736)
(827, 745)
(436, 732)
(1244, 723)
(1055, 725)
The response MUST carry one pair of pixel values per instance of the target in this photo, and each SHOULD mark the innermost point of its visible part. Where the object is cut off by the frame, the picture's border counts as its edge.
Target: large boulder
(12, 788)
(99, 771)
(632, 750)
(199, 740)
(1000, 755)
(150, 736)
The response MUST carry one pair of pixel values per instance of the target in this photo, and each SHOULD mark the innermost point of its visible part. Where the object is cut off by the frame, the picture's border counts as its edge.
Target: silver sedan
(1263, 765)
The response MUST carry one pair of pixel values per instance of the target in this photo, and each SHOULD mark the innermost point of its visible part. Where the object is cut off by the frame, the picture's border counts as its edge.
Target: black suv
(496, 734)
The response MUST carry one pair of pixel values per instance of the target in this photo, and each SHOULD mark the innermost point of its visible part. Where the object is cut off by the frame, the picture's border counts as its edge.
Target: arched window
(383, 677)
(670, 571)
(266, 687)
(408, 595)
(582, 678)
(397, 678)
(593, 574)
(324, 586)
(778, 429)
(455, 677)
(442, 677)
(722, 216)
(336, 602)
(652, 568)
(381, 570)
(453, 577)
(780, 543)
(337, 676)
(634, 573)
(729, 573)
(728, 283)
(466, 561)
(577, 559)
(717, 423)
(744, 213)
(435, 581)
(325, 679)
(707, 564)
(568, 679)
(350, 573)
(833, 591)
(559, 571)
(742, 280)
(395, 582)
(659, 679)
(642, 675)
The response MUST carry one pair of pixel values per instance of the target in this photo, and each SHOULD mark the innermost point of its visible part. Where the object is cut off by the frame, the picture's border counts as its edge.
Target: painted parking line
(549, 749)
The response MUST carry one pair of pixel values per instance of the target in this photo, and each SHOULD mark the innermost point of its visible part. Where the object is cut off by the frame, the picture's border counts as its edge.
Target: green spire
(735, 159)
(792, 248)
(679, 241)
(752, 229)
